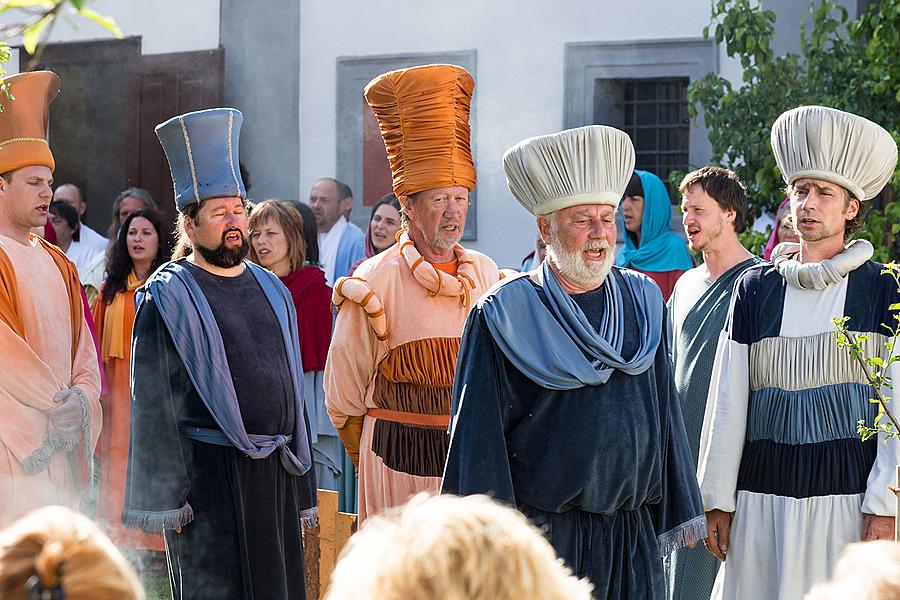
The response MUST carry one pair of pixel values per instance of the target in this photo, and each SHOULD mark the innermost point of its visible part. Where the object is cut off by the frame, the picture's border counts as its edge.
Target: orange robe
(391, 363)
(45, 346)
(112, 448)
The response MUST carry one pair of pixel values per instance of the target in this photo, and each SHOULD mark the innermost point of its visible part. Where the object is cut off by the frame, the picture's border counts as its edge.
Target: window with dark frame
(656, 118)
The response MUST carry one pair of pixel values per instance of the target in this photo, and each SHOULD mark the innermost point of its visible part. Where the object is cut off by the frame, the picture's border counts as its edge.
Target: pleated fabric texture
(587, 165)
(809, 416)
(415, 377)
(805, 362)
(24, 122)
(423, 116)
(824, 143)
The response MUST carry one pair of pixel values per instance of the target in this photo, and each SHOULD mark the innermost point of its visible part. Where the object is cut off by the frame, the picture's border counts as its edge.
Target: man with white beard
(564, 403)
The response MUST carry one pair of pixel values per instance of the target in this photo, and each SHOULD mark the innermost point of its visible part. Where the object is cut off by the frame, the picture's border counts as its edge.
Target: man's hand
(876, 527)
(66, 415)
(718, 526)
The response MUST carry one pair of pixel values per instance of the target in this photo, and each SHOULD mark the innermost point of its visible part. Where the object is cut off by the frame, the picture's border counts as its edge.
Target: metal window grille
(656, 118)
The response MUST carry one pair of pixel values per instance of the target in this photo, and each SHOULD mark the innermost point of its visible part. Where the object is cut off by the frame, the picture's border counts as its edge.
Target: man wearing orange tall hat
(391, 362)
(49, 381)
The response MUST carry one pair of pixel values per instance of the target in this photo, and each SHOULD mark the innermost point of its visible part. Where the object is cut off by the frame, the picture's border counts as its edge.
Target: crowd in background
(308, 245)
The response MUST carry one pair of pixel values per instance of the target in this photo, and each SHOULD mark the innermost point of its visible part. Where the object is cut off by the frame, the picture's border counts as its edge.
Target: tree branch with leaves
(34, 22)
(875, 368)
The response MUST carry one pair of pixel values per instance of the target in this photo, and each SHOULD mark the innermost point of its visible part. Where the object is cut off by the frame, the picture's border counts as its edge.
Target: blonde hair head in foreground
(64, 550)
(866, 571)
(450, 548)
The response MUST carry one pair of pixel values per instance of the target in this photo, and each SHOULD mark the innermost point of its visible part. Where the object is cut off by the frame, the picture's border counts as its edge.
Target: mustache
(595, 245)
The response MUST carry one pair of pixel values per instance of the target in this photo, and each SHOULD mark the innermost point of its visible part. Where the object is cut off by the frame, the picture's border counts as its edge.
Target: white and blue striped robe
(780, 447)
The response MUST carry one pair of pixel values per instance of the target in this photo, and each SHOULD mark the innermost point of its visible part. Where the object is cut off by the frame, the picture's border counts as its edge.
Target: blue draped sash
(558, 348)
(198, 341)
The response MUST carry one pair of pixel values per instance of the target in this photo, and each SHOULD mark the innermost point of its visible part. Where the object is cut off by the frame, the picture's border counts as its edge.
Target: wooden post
(328, 509)
(329, 538)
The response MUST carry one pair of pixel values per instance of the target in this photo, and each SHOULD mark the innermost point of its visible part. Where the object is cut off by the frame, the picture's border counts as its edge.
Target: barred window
(656, 118)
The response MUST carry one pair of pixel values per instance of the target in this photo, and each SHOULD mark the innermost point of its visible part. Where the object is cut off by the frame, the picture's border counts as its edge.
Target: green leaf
(895, 306)
(32, 34)
(107, 23)
(16, 4)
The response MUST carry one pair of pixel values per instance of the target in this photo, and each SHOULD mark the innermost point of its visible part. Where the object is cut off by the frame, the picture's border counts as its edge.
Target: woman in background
(784, 229)
(383, 226)
(139, 248)
(277, 243)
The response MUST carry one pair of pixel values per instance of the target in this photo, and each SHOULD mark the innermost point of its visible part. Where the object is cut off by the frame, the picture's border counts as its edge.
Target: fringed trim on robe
(415, 377)
(157, 521)
(40, 459)
(309, 518)
(686, 534)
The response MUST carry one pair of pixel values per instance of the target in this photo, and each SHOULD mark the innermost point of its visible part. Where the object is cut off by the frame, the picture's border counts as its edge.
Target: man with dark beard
(564, 403)
(220, 448)
(393, 354)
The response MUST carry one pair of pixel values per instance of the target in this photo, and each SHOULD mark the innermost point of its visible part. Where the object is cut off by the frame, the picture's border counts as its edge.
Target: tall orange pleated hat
(423, 115)
(24, 121)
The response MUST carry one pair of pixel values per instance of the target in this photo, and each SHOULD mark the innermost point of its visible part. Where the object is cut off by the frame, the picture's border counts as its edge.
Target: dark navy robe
(239, 518)
(604, 470)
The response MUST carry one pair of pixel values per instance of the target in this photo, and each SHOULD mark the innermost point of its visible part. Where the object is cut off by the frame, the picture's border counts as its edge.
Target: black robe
(603, 470)
(240, 518)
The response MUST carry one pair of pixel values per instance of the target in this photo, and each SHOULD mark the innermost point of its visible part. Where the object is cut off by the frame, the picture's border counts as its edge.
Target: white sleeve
(724, 425)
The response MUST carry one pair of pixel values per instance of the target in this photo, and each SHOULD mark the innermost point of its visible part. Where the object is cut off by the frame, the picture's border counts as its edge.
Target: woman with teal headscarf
(651, 247)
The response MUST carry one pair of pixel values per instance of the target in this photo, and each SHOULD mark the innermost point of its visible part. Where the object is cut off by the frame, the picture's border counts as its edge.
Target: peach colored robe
(33, 370)
(112, 448)
(411, 369)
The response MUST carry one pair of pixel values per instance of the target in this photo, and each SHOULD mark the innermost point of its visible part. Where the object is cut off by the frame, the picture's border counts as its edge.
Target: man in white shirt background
(88, 247)
(341, 243)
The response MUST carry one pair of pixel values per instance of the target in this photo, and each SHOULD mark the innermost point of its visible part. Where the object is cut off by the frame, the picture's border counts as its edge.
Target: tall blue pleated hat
(202, 150)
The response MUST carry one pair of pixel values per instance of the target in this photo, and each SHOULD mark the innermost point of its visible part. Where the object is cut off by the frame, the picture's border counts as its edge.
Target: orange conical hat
(24, 120)
(423, 115)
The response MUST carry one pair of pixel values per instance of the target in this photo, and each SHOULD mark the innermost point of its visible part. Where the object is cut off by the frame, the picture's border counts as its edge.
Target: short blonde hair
(66, 551)
(865, 571)
(449, 548)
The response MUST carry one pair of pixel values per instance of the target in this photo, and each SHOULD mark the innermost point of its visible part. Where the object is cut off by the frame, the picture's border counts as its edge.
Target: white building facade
(297, 71)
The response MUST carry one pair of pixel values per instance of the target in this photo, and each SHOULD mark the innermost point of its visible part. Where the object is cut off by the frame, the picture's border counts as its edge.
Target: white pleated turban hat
(816, 142)
(588, 165)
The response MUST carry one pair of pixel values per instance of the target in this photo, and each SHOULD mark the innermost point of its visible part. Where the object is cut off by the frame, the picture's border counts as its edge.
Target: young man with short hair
(787, 482)
(49, 381)
(714, 207)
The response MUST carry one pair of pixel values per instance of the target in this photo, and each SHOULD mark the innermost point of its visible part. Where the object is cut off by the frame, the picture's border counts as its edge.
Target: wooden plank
(346, 526)
(328, 510)
(311, 561)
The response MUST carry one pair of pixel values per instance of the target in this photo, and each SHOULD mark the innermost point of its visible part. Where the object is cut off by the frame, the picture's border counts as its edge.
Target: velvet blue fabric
(560, 349)
(202, 150)
(192, 327)
(833, 468)
(605, 469)
(661, 249)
